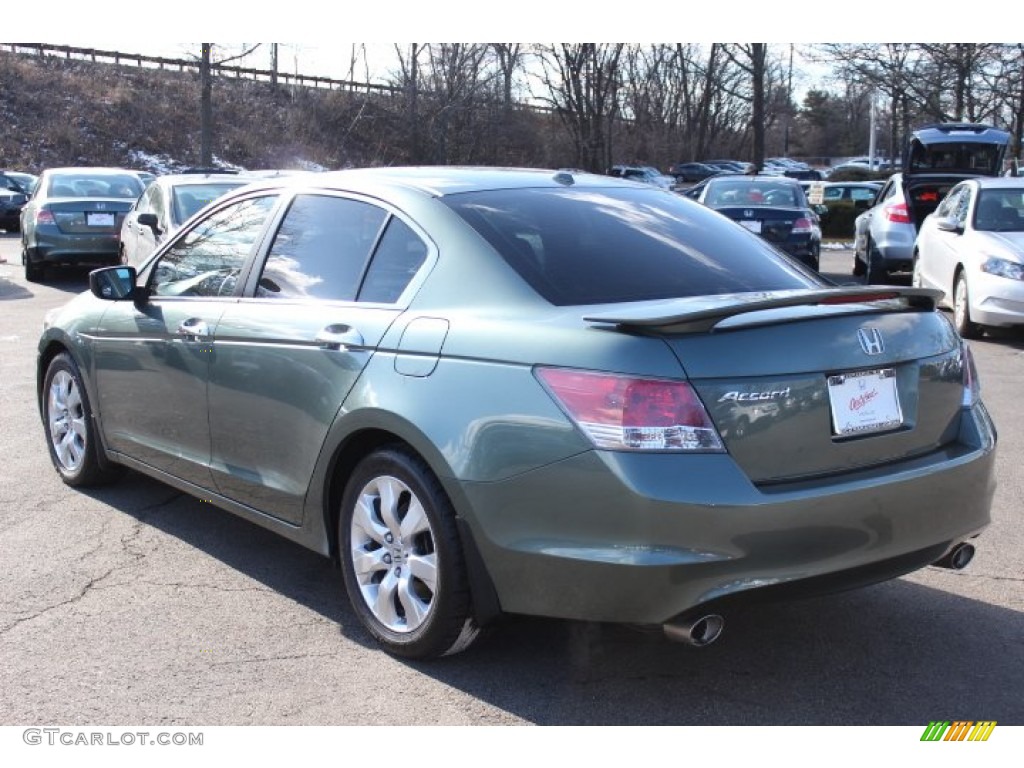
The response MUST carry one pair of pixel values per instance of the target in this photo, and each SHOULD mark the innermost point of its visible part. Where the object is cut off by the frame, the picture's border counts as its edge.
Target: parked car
(165, 205)
(734, 166)
(972, 249)
(937, 157)
(557, 441)
(773, 207)
(15, 187)
(643, 173)
(687, 172)
(74, 217)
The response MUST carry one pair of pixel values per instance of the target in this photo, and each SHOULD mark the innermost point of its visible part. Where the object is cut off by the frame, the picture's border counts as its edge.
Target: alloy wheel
(66, 416)
(393, 554)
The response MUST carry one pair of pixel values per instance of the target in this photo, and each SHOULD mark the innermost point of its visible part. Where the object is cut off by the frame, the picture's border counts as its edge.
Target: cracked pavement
(135, 604)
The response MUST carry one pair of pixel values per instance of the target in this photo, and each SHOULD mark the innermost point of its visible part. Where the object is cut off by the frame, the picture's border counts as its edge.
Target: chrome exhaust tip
(698, 632)
(957, 558)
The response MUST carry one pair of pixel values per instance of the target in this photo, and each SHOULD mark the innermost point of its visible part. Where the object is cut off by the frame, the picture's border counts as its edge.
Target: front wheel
(402, 558)
(962, 310)
(71, 434)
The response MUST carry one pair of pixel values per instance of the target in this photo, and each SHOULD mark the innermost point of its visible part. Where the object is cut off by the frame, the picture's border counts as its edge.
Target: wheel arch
(362, 441)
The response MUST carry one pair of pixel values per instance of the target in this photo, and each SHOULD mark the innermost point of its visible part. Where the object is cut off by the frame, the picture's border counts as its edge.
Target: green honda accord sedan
(497, 391)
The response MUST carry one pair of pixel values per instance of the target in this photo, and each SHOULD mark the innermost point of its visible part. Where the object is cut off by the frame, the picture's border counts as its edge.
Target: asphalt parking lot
(137, 604)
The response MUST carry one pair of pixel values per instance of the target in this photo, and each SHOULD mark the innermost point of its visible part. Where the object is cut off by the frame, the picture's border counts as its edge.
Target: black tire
(34, 272)
(874, 274)
(427, 612)
(70, 430)
(858, 267)
(962, 309)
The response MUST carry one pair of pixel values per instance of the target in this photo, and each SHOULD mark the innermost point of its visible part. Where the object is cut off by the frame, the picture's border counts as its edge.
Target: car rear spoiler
(709, 313)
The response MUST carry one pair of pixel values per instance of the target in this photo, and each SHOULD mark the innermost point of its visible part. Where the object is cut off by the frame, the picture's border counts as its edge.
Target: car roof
(88, 169)
(181, 179)
(439, 181)
(998, 182)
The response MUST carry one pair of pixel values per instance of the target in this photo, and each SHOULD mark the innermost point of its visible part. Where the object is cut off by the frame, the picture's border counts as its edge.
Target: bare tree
(752, 58)
(206, 65)
(583, 81)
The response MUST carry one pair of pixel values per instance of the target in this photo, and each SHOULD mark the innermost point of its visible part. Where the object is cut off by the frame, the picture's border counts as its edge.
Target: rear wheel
(402, 558)
(962, 309)
(874, 272)
(33, 270)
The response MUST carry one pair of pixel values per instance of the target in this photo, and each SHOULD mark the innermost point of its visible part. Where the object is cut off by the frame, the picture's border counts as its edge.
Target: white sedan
(972, 249)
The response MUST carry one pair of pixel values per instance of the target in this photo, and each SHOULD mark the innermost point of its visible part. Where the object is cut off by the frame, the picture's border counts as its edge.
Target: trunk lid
(773, 224)
(804, 390)
(85, 217)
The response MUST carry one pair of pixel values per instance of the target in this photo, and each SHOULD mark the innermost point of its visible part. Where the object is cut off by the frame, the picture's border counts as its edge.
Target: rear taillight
(635, 414)
(972, 387)
(897, 212)
(44, 216)
(803, 226)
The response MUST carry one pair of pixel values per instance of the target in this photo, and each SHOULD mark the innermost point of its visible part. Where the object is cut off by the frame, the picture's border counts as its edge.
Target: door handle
(339, 337)
(194, 329)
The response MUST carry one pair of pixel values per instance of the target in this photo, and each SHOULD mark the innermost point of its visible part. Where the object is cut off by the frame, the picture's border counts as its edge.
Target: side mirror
(947, 224)
(821, 209)
(149, 220)
(113, 283)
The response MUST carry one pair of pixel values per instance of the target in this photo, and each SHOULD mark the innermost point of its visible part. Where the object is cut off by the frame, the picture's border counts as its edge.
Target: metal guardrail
(192, 65)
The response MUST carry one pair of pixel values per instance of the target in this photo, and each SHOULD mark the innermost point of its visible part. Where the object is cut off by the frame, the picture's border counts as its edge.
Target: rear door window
(321, 249)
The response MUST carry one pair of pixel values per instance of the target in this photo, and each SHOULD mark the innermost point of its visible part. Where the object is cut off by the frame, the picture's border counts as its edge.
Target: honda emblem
(870, 341)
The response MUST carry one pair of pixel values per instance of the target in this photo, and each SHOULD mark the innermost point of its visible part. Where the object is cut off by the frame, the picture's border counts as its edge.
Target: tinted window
(321, 249)
(398, 257)
(591, 246)
(206, 260)
(189, 199)
(125, 186)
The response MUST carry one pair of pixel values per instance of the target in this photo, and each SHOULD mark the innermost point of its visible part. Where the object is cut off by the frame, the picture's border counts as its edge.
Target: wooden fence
(191, 65)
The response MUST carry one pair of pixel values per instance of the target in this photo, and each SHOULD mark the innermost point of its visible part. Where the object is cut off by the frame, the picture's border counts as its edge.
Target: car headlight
(1003, 268)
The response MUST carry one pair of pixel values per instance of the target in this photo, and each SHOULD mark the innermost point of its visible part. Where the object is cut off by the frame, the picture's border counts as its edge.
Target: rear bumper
(894, 248)
(642, 538)
(55, 248)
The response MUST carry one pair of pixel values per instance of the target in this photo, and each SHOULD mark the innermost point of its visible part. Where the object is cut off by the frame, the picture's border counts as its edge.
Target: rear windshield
(127, 186)
(598, 246)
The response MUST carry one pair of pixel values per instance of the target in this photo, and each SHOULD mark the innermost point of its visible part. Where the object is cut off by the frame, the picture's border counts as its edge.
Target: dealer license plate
(94, 219)
(864, 401)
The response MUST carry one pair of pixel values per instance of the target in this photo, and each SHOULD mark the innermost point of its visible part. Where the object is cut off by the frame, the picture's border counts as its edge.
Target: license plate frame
(100, 219)
(864, 402)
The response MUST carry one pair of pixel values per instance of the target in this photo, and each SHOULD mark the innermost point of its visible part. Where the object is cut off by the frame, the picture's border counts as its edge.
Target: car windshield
(597, 246)
(127, 186)
(190, 198)
(1000, 210)
(746, 192)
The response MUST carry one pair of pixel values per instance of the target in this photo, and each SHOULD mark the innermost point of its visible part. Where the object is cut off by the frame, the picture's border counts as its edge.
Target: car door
(138, 241)
(151, 358)
(287, 354)
(949, 246)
